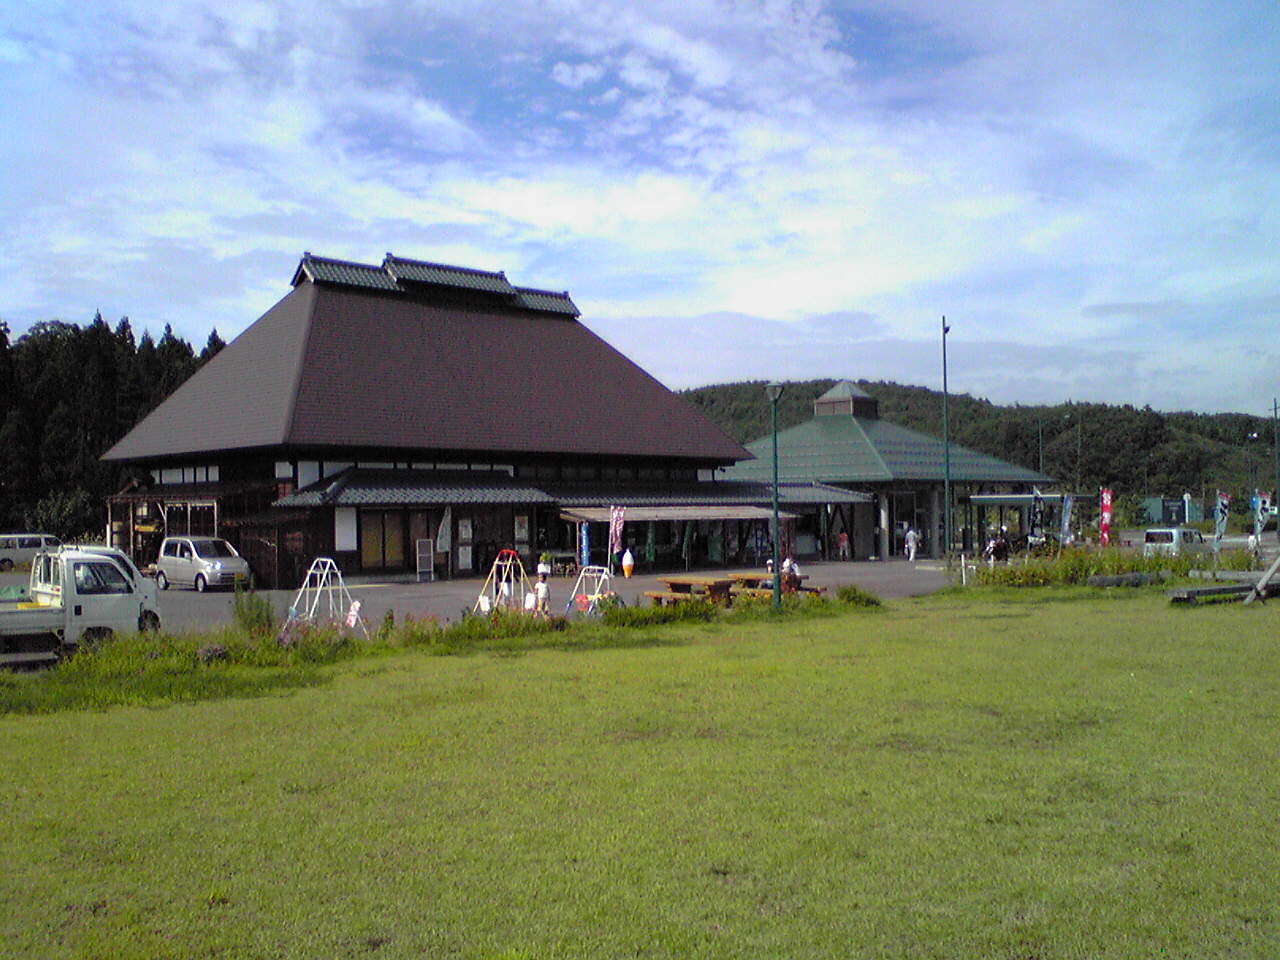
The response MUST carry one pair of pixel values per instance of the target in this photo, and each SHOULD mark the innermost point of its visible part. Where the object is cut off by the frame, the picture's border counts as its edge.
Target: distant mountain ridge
(1086, 445)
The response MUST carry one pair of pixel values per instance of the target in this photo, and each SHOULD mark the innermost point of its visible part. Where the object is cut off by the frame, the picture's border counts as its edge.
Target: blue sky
(1089, 190)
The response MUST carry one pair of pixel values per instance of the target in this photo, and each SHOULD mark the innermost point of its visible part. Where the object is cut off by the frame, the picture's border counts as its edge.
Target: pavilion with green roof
(846, 444)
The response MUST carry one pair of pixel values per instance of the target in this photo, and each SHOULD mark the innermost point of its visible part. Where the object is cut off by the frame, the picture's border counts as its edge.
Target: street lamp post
(774, 391)
(1040, 441)
(946, 451)
(1275, 448)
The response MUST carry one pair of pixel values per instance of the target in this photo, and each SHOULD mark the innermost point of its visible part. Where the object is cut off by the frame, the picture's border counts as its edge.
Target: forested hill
(1134, 451)
(67, 394)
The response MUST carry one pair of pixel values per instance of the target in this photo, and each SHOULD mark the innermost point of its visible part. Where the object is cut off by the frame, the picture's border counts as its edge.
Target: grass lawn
(1017, 775)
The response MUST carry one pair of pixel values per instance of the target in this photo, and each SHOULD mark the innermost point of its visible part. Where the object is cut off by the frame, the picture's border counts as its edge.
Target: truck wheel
(148, 622)
(162, 581)
(200, 583)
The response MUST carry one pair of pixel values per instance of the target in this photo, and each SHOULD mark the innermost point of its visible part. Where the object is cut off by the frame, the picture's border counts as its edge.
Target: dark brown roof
(343, 363)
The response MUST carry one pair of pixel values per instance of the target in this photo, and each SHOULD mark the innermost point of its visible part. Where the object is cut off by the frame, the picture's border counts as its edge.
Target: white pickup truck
(75, 594)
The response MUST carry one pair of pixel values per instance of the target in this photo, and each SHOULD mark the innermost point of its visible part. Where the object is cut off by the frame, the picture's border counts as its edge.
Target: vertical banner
(1104, 518)
(584, 543)
(616, 515)
(1036, 531)
(1064, 534)
(1261, 509)
(444, 536)
(1220, 511)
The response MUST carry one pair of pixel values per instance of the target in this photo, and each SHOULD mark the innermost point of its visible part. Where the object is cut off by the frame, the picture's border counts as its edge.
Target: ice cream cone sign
(628, 564)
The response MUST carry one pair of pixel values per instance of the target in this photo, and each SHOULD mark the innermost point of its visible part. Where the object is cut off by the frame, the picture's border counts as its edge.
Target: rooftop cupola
(845, 399)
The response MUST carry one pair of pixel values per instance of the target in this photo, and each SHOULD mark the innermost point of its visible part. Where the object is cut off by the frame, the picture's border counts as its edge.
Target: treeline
(1136, 452)
(67, 394)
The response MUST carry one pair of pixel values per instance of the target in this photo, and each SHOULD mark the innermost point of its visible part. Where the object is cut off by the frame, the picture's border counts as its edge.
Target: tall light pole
(946, 450)
(774, 391)
(1040, 440)
(1275, 447)
(1079, 444)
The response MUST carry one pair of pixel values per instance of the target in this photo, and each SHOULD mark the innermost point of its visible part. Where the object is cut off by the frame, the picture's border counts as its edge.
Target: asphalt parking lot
(446, 600)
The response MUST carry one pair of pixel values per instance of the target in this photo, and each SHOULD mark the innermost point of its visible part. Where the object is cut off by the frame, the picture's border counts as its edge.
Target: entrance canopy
(638, 514)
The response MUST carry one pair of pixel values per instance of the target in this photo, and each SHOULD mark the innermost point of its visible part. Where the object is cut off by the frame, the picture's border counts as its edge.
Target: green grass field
(1004, 774)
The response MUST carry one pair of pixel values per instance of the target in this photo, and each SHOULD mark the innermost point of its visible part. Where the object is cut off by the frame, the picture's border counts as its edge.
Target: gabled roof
(343, 361)
(387, 488)
(846, 449)
(465, 278)
(415, 277)
(845, 390)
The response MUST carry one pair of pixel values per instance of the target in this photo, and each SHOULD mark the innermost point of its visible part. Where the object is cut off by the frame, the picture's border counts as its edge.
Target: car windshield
(213, 548)
(1159, 536)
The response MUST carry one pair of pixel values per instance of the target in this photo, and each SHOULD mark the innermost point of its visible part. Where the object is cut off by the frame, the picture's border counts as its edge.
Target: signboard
(1104, 517)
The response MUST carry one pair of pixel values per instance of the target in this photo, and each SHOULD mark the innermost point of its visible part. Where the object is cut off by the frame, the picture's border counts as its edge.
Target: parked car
(16, 548)
(1173, 541)
(200, 562)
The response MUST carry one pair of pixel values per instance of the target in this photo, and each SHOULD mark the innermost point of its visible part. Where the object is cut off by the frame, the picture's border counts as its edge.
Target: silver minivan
(16, 548)
(200, 562)
(1173, 541)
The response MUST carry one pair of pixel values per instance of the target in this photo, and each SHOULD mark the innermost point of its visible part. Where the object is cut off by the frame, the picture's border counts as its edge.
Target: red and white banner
(1104, 518)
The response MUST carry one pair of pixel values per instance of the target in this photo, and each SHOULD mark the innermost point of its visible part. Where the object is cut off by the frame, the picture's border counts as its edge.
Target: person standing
(913, 543)
(542, 597)
(842, 544)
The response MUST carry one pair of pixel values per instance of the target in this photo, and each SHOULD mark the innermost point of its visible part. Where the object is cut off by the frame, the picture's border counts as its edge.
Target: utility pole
(1275, 446)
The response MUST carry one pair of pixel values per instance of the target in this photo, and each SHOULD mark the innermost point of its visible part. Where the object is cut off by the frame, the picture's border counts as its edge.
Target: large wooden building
(379, 410)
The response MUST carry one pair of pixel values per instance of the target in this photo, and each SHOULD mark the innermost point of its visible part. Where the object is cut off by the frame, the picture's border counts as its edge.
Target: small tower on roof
(848, 400)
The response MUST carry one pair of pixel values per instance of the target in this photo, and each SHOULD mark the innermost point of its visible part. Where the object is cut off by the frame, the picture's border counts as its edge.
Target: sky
(1089, 191)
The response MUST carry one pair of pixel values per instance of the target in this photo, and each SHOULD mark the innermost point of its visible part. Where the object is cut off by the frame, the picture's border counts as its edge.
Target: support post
(774, 392)
(884, 526)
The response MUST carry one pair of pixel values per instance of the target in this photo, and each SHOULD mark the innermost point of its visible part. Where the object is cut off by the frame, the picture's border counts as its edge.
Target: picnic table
(682, 588)
(755, 579)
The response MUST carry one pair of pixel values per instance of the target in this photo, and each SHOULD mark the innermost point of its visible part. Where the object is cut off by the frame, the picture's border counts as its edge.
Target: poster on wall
(464, 557)
(464, 528)
(522, 528)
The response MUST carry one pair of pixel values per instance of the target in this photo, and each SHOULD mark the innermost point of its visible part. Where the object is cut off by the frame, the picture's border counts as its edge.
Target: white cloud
(770, 161)
(576, 75)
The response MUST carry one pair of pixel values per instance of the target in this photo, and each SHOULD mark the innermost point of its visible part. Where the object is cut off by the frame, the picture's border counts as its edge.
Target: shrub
(851, 595)
(688, 610)
(253, 614)
(793, 604)
(1077, 565)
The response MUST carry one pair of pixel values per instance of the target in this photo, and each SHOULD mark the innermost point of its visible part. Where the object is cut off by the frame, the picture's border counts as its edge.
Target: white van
(16, 548)
(1173, 541)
